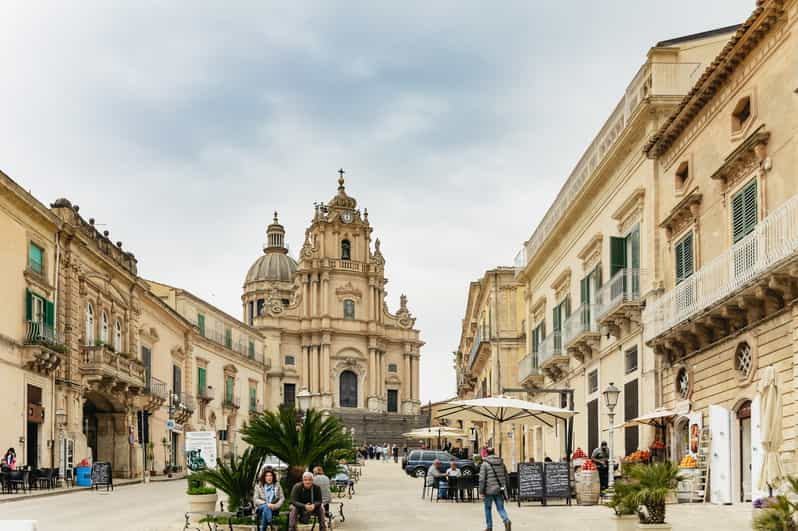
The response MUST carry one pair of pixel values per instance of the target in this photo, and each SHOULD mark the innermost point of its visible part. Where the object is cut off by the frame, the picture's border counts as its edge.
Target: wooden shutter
(201, 381)
(49, 314)
(201, 324)
(592, 426)
(567, 306)
(631, 409)
(555, 314)
(684, 257)
(744, 211)
(177, 379)
(251, 349)
(584, 290)
(633, 240)
(28, 305)
(617, 254)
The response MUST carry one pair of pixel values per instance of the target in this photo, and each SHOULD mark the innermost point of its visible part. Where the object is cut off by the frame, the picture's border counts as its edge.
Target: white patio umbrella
(503, 409)
(435, 431)
(771, 429)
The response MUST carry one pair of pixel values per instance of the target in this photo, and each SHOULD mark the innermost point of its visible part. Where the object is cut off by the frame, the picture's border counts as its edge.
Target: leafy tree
(235, 478)
(277, 433)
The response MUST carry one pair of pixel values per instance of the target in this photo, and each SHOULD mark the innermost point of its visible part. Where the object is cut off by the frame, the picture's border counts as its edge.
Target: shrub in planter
(779, 513)
(650, 487)
(623, 505)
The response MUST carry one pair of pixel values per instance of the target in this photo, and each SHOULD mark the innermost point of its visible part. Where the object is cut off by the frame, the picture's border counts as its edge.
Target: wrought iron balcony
(751, 279)
(620, 304)
(581, 335)
(123, 370)
(231, 402)
(155, 395)
(529, 373)
(43, 348)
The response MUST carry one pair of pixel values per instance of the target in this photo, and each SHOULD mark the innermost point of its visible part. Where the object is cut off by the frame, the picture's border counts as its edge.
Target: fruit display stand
(685, 489)
(588, 486)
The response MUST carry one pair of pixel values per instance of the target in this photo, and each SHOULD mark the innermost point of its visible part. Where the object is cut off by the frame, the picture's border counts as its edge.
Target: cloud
(182, 126)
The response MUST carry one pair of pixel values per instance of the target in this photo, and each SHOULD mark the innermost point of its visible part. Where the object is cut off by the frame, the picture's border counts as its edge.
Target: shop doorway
(32, 445)
(743, 460)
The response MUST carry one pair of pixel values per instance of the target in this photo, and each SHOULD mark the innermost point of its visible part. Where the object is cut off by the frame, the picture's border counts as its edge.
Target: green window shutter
(201, 381)
(49, 314)
(584, 290)
(684, 257)
(617, 254)
(201, 324)
(597, 276)
(228, 389)
(253, 399)
(36, 258)
(251, 349)
(678, 253)
(744, 211)
(567, 306)
(555, 316)
(633, 240)
(228, 338)
(28, 305)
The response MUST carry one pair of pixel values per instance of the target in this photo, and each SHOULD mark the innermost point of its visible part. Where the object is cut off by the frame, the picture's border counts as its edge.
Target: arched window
(349, 309)
(118, 336)
(104, 328)
(89, 325)
(346, 250)
(348, 389)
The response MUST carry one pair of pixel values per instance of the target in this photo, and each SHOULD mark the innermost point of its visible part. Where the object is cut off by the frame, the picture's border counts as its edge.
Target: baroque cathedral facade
(327, 328)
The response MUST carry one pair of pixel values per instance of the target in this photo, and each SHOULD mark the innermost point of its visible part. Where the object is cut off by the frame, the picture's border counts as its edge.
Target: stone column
(314, 294)
(405, 377)
(325, 293)
(314, 369)
(305, 380)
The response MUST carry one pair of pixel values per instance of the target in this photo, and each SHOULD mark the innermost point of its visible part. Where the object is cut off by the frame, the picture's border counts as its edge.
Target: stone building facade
(492, 343)
(726, 266)
(326, 325)
(590, 265)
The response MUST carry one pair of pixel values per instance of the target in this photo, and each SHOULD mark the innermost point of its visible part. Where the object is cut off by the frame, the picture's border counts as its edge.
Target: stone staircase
(379, 428)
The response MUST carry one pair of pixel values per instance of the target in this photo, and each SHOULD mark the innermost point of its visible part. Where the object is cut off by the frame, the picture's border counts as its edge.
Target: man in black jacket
(306, 502)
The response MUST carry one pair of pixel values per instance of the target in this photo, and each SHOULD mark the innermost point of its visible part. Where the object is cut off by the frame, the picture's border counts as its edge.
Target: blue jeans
(499, 501)
(266, 516)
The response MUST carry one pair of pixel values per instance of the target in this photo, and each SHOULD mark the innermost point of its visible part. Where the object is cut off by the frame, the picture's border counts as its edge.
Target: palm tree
(651, 485)
(298, 446)
(236, 478)
(779, 513)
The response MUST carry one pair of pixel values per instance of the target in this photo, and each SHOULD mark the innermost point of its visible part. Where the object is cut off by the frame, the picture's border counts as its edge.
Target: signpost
(200, 450)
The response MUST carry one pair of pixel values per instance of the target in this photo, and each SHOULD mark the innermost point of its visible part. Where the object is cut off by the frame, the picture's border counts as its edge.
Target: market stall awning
(659, 417)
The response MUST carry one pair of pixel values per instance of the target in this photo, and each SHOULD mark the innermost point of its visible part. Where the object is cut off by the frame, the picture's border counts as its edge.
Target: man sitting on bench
(306, 501)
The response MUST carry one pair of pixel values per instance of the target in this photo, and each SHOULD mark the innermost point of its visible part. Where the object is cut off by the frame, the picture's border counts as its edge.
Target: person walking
(395, 450)
(268, 498)
(493, 482)
(384, 452)
(601, 456)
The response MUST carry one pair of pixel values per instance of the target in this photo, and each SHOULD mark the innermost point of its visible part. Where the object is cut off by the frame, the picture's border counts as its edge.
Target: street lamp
(611, 394)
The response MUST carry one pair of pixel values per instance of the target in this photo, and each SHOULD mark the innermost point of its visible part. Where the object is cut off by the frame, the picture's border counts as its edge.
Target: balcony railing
(233, 402)
(101, 361)
(347, 265)
(772, 241)
(528, 367)
(549, 348)
(37, 333)
(472, 354)
(653, 79)
(582, 321)
(624, 286)
(241, 346)
(156, 388)
(186, 401)
(206, 393)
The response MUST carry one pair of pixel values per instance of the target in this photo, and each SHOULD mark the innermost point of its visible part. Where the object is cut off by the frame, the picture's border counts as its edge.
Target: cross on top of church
(341, 178)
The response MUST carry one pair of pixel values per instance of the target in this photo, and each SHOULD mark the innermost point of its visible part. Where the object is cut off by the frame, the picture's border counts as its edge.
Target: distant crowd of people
(382, 452)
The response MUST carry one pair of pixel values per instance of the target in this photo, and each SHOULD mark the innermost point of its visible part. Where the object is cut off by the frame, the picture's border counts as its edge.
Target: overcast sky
(182, 127)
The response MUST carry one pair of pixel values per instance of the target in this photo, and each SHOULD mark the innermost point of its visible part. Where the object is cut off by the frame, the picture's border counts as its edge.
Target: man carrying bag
(493, 481)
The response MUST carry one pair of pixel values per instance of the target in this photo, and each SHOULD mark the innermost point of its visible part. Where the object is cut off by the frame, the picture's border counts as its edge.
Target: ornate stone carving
(683, 214)
(631, 211)
(591, 252)
(348, 291)
(562, 284)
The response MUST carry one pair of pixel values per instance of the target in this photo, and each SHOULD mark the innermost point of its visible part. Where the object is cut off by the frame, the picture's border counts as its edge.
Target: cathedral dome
(272, 266)
(275, 264)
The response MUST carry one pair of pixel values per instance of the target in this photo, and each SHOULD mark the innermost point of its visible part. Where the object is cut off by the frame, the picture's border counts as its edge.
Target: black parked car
(418, 462)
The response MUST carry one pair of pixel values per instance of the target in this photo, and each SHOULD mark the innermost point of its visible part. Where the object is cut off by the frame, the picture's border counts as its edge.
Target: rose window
(744, 359)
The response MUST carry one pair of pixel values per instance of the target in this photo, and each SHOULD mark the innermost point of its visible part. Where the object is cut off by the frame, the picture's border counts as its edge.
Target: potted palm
(779, 513)
(651, 485)
(623, 506)
(201, 498)
(236, 479)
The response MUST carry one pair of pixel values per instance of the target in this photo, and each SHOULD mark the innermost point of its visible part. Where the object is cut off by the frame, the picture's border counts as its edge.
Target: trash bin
(83, 478)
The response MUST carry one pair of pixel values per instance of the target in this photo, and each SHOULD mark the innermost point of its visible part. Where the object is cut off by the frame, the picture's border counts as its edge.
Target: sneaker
(508, 525)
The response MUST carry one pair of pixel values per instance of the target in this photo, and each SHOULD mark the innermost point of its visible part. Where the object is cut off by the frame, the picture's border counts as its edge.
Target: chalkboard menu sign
(558, 480)
(530, 481)
(101, 475)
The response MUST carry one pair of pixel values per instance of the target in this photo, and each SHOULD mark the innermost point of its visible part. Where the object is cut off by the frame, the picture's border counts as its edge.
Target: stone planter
(666, 525)
(202, 503)
(242, 527)
(626, 522)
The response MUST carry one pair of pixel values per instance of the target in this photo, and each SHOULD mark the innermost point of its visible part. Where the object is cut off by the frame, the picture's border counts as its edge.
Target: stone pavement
(389, 500)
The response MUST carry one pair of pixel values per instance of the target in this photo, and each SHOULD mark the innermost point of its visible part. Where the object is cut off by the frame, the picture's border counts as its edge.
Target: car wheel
(467, 471)
(420, 472)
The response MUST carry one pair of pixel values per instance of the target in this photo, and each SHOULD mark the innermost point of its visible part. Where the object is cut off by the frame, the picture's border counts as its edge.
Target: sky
(181, 126)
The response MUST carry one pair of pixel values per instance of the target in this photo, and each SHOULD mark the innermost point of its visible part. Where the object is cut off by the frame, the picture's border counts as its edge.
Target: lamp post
(611, 394)
(303, 399)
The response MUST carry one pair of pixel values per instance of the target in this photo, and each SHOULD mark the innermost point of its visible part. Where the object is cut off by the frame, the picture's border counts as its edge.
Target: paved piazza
(386, 500)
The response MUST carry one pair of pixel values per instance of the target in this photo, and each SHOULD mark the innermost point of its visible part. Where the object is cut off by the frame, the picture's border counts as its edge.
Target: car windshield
(445, 456)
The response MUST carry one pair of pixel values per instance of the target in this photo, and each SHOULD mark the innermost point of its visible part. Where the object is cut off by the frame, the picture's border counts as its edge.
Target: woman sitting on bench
(268, 498)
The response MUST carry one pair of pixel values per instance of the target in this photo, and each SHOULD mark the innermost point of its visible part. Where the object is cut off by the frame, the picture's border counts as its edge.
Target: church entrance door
(348, 389)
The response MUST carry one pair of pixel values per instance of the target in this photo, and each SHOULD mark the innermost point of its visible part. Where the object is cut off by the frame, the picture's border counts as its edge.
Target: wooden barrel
(588, 487)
